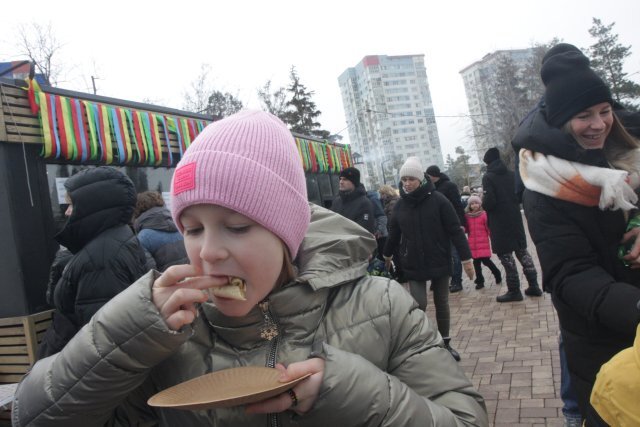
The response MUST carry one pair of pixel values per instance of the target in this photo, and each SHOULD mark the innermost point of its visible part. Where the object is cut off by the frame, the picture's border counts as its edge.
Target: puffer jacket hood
(102, 198)
(537, 135)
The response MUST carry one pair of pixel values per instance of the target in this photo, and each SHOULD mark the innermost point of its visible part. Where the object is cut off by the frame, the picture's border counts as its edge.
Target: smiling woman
(580, 168)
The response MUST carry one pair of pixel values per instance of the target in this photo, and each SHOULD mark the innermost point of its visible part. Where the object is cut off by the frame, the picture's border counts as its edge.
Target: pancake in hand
(236, 290)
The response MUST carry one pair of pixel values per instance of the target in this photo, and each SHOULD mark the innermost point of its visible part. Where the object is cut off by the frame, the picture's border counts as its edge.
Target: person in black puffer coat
(580, 168)
(352, 201)
(422, 228)
(507, 230)
(107, 256)
(157, 232)
(450, 190)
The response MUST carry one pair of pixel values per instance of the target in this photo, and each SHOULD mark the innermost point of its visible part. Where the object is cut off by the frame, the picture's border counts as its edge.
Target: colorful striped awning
(92, 132)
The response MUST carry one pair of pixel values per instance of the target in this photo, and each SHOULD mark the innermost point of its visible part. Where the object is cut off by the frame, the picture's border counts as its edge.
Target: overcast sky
(154, 50)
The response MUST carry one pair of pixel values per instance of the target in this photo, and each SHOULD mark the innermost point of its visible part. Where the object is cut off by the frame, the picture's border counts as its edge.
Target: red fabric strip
(76, 130)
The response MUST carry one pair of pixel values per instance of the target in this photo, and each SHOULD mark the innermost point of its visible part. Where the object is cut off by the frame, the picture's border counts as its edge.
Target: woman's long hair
(621, 149)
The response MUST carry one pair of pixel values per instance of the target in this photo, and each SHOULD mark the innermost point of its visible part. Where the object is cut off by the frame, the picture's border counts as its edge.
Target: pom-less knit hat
(491, 155)
(571, 87)
(433, 170)
(412, 167)
(247, 162)
(352, 174)
(560, 48)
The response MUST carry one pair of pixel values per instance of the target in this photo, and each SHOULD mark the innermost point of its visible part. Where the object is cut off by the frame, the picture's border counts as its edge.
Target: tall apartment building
(390, 115)
(479, 85)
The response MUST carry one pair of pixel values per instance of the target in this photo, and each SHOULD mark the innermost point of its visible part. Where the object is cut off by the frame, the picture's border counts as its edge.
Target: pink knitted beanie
(474, 199)
(247, 162)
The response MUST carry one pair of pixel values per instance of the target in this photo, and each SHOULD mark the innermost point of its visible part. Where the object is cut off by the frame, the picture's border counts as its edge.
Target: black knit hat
(492, 154)
(560, 48)
(433, 170)
(352, 174)
(571, 87)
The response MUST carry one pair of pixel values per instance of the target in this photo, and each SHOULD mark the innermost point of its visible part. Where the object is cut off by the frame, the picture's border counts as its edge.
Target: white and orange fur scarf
(578, 183)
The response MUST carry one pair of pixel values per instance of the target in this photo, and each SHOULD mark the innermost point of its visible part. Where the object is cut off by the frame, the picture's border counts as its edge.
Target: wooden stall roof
(91, 129)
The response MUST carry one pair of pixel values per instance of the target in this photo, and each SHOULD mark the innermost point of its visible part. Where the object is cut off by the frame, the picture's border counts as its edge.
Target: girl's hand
(305, 392)
(176, 292)
(633, 257)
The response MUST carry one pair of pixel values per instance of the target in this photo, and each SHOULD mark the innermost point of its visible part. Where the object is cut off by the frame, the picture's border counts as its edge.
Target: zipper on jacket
(270, 332)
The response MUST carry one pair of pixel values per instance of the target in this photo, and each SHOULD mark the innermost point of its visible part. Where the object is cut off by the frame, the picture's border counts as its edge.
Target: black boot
(512, 295)
(533, 290)
(454, 353)
(457, 287)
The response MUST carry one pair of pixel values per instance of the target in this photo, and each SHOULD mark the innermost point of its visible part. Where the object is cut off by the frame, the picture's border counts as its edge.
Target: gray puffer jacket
(384, 361)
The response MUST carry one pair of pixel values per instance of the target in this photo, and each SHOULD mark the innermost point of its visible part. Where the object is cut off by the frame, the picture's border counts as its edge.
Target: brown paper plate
(225, 388)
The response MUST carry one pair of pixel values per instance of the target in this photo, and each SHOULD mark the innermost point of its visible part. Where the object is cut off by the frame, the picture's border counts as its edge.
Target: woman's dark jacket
(167, 251)
(107, 256)
(503, 209)
(594, 294)
(422, 228)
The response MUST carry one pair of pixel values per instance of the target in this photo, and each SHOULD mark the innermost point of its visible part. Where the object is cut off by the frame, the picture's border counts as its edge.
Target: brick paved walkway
(510, 352)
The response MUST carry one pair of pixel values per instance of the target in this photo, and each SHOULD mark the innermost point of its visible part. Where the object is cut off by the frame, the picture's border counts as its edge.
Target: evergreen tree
(458, 169)
(301, 113)
(607, 58)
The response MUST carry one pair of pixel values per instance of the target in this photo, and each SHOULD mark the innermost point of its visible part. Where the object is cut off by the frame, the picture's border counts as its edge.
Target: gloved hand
(468, 269)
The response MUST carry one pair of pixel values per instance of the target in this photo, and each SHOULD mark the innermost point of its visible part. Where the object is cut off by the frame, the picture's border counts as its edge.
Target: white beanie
(413, 168)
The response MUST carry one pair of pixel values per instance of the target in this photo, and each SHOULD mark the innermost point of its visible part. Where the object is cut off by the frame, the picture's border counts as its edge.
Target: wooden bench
(19, 338)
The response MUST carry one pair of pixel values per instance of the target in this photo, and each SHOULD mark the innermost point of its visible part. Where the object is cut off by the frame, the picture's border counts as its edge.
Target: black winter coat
(503, 209)
(594, 294)
(450, 191)
(423, 226)
(170, 251)
(107, 256)
(356, 206)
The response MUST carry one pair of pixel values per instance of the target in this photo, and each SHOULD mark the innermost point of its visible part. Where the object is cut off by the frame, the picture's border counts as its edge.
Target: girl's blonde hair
(621, 149)
(387, 190)
(289, 271)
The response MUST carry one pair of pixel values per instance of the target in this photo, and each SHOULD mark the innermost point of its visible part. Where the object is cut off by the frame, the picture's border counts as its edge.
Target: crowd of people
(133, 315)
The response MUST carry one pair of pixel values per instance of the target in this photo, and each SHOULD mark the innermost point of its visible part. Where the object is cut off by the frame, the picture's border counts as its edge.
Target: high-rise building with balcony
(390, 115)
(481, 85)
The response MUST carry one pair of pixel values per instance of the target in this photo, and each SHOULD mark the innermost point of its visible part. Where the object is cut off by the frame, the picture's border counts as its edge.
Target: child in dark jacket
(478, 236)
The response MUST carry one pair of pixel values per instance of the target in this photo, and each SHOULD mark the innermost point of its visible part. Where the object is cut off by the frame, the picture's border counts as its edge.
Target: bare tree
(39, 43)
(223, 104)
(275, 102)
(196, 99)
